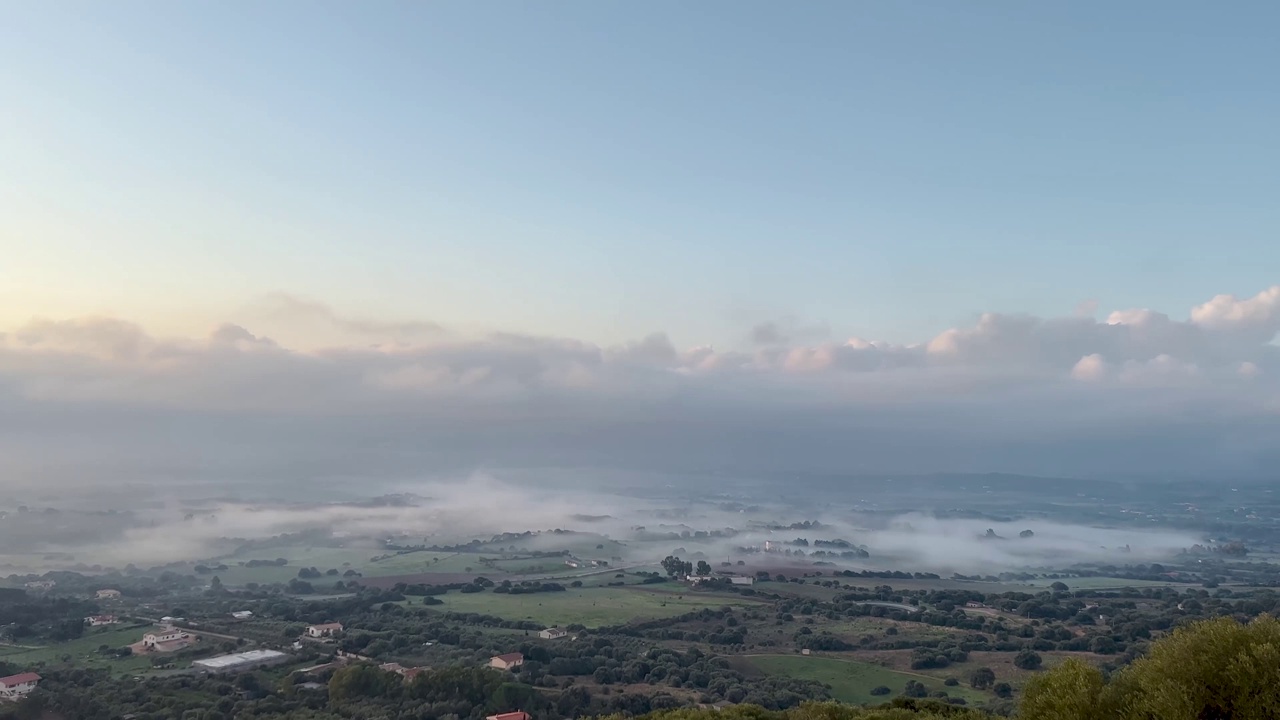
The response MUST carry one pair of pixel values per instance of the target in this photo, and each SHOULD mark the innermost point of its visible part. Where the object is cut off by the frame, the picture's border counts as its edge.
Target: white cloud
(998, 395)
(1090, 368)
(1260, 313)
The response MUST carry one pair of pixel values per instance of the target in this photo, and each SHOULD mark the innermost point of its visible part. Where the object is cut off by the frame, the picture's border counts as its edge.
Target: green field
(532, 566)
(1103, 583)
(84, 651)
(851, 681)
(359, 559)
(592, 607)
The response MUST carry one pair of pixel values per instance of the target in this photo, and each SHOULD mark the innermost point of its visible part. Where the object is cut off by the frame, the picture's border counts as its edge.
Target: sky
(614, 220)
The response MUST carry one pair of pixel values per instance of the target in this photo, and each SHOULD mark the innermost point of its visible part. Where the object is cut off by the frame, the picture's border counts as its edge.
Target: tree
(1003, 690)
(1026, 534)
(982, 678)
(1209, 669)
(915, 689)
(880, 690)
(1071, 691)
(1059, 586)
(704, 568)
(675, 566)
(1103, 645)
(1027, 660)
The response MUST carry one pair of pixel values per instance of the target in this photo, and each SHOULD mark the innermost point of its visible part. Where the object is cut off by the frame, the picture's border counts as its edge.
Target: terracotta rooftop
(18, 679)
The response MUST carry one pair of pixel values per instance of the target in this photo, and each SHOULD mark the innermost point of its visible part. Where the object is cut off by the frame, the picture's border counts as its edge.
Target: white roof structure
(249, 657)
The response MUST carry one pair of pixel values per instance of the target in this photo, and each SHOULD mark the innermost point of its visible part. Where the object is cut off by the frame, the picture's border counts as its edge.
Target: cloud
(286, 309)
(786, 330)
(100, 400)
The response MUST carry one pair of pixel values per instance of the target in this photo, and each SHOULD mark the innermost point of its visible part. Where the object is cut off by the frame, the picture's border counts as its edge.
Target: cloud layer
(98, 400)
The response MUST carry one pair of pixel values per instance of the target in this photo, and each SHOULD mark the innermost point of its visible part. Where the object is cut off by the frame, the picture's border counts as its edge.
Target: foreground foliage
(1211, 670)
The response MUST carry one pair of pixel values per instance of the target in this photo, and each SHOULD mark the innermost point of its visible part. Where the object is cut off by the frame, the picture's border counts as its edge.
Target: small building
(164, 635)
(108, 594)
(18, 686)
(518, 715)
(408, 673)
(242, 614)
(312, 686)
(239, 662)
(553, 633)
(742, 580)
(166, 639)
(41, 585)
(98, 620)
(324, 630)
(974, 604)
(805, 651)
(510, 661)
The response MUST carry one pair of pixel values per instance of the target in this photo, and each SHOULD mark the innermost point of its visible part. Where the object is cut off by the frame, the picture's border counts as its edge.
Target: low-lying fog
(166, 530)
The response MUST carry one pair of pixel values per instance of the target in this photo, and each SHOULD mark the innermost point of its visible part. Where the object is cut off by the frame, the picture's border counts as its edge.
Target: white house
(552, 633)
(242, 614)
(18, 686)
(96, 620)
(108, 594)
(166, 639)
(742, 580)
(324, 630)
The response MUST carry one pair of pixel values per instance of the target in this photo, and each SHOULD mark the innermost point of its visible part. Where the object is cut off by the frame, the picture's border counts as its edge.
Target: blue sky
(601, 170)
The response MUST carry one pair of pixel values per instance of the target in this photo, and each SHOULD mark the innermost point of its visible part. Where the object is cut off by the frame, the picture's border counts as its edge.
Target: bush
(880, 690)
(951, 682)
(1027, 660)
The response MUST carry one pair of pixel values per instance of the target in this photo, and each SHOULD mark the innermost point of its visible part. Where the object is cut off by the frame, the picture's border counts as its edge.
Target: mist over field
(481, 506)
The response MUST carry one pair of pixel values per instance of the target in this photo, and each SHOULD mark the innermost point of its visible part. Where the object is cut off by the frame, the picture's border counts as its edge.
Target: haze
(260, 265)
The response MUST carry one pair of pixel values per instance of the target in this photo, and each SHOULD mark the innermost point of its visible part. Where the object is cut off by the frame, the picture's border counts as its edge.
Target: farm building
(518, 715)
(242, 614)
(41, 585)
(408, 673)
(324, 630)
(239, 662)
(974, 604)
(552, 633)
(509, 661)
(18, 686)
(97, 620)
(742, 580)
(166, 639)
(108, 594)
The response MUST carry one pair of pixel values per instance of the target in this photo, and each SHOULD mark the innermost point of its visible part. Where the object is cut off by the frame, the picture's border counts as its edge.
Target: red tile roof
(18, 679)
(518, 715)
(510, 657)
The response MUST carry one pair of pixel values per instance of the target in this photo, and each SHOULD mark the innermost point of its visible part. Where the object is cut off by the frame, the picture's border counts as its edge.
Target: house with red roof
(518, 715)
(510, 661)
(18, 686)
